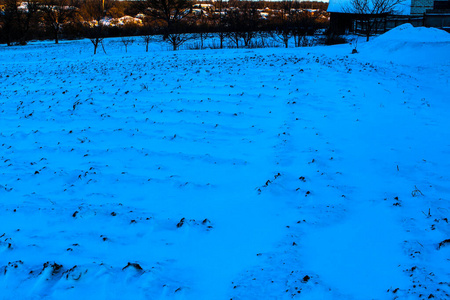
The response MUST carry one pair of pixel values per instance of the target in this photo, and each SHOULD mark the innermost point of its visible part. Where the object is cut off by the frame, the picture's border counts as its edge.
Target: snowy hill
(305, 173)
(410, 46)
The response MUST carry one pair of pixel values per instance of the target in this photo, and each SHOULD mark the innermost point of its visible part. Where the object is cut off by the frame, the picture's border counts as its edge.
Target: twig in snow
(416, 192)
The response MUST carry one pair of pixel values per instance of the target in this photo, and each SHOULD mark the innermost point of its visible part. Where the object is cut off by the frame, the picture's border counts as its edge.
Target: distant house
(431, 13)
(205, 6)
(439, 16)
(419, 7)
(345, 19)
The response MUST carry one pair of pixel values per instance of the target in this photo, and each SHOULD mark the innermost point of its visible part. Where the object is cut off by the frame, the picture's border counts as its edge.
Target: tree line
(234, 21)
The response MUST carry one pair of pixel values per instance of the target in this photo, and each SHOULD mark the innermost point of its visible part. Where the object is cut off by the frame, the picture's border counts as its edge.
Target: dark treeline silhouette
(236, 23)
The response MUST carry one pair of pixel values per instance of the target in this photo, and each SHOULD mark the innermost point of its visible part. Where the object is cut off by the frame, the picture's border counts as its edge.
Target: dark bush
(334, 39)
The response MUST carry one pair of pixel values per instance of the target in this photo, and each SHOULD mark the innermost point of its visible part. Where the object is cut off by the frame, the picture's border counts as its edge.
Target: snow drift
(408, 45)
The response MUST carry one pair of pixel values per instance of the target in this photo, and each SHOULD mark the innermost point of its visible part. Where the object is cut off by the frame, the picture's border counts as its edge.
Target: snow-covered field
(305, 173)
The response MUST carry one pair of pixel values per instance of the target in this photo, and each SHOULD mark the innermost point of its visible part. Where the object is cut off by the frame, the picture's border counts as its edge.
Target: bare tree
(203, 26)
(220, 20)
(17, 19)
(173, 14)
(303, 23)
(95, 11)
(285, 18)
(56, 13)
(242, 22)
(147, 31)
(371, 11)
(8, 19)
(233, 20)
(146, 38)
(126, 41)
(250, 21)
(27, 18)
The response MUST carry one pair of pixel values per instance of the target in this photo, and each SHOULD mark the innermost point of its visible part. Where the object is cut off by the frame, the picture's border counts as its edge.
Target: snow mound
(409, 33)
(408, 45)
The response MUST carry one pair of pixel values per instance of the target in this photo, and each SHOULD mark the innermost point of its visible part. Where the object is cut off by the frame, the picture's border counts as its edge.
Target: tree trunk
(55, 27)
(246, 40)
(368, 30)
(96, 45)
(8, 39)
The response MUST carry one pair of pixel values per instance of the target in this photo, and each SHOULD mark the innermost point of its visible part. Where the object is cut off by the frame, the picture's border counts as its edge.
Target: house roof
(339, 6)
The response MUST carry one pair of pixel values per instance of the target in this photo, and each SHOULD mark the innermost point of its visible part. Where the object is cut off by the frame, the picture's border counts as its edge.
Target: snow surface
(217, 174)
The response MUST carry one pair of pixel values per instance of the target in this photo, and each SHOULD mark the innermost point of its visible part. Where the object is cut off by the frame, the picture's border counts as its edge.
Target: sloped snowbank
(411, 34)
(408, 45)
